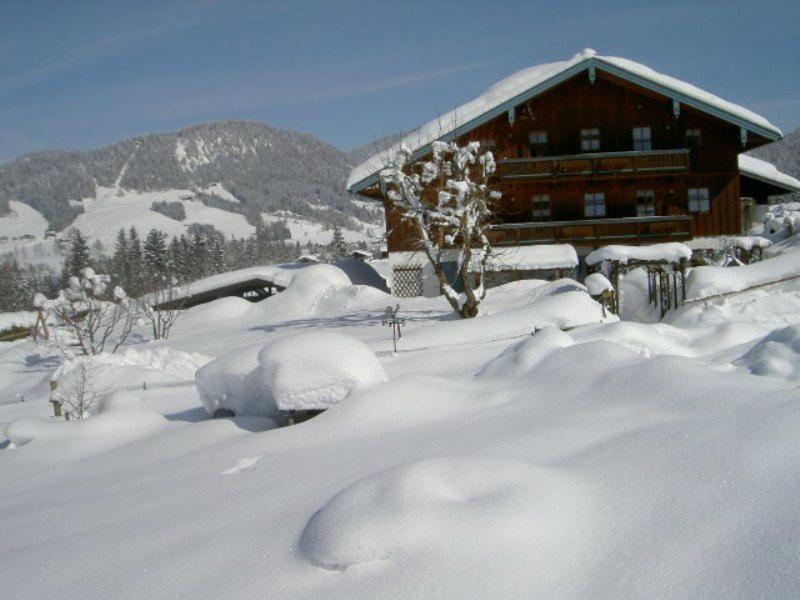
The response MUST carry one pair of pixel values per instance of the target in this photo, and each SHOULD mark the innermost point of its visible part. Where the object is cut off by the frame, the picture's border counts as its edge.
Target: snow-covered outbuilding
(595, 150)
(529, 262)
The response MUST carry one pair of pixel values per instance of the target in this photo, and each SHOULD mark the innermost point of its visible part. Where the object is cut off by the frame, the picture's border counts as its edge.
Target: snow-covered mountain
(784, 154)
(225, 173)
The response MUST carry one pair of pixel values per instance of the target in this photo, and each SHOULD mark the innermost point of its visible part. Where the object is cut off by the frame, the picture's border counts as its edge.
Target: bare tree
(162, 307)
(86, 318)
(77, 390)
(448, 202)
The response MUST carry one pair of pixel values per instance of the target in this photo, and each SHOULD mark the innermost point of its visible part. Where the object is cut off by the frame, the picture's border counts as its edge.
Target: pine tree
(199, 257)
(173, 258)
(15, 292)
(120, 260)
(135, 267)
(217, 258)
(154, 255)
(338, 247)
(77, 257)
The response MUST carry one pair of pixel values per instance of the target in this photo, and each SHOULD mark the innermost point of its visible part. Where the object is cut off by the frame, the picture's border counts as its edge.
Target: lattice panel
(407, 281)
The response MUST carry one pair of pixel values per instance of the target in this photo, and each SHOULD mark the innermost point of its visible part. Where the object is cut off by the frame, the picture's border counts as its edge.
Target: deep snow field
(541, 450)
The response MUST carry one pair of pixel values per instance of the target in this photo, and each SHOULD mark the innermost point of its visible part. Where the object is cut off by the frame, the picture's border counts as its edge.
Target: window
(694, 138)
(538, 142)
(590, 139)
(487, 144)
(642, 138)
(698, 200)
(594, 204)
(540, 205)
(645, 203)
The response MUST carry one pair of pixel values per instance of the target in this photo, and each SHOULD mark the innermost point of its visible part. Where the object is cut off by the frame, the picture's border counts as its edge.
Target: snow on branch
(448, 201)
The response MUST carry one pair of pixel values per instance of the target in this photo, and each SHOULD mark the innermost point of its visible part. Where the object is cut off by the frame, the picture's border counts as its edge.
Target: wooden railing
(596, 232)
(595, 164)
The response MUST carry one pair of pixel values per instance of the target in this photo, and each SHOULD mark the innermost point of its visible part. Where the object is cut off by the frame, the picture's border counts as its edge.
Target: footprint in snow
(244, 464)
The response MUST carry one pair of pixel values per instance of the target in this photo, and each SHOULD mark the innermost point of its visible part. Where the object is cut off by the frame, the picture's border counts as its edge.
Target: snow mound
(777, 355)
(313, 370)
(122, 418)
(518, 359)
(597, 283)
(234, 382)
(129, 369)
(447, 505)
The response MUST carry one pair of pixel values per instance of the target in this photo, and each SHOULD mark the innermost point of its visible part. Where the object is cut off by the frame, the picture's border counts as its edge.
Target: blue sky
(77, 75)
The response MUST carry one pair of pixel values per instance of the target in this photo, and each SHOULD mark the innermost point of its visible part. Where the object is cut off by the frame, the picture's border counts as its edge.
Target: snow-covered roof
(531, 82)
(279, 275)
(670, 252)
(762, 170)
(358, 253)
(532, 258)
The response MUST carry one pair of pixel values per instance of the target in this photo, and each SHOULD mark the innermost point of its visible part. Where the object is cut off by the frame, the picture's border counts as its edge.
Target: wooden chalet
(600, 150)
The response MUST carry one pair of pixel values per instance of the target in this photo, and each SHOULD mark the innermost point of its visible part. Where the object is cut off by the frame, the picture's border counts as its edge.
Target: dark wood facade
(666, 166)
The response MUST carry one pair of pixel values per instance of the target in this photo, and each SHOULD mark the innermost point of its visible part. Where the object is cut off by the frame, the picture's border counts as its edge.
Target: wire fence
(499, 337)
(743, 290)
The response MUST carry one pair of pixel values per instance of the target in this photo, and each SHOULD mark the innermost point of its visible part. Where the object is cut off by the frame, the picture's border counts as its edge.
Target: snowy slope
(112, 208)
(22, 220)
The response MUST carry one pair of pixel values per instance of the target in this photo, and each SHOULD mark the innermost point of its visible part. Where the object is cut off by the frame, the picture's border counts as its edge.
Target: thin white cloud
(166, 24)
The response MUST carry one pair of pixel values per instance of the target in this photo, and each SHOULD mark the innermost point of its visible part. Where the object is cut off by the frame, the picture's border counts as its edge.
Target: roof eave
(790, 188)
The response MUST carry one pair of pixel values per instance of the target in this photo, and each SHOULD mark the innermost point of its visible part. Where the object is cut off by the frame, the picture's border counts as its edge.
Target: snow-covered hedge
(782, 220)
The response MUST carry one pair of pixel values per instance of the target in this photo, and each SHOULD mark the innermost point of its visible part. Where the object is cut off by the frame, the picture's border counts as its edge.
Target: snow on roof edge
(763, 170)
(525, 80)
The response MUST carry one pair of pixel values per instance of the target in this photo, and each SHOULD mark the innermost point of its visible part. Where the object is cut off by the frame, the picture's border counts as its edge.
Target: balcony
(593, 232)
(596, 164)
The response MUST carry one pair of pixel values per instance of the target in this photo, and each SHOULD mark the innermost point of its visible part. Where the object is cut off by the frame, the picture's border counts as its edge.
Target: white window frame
(590, 139)
(538, 210)
(594, 205)
(645, 203)
(698, 200)
(642, 139)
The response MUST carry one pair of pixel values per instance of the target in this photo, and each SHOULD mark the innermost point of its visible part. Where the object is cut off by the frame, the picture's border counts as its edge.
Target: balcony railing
(596, 164)
(593, 231)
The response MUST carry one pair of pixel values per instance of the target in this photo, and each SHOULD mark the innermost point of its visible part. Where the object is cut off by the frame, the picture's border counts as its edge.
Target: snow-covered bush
(776, 355)
(162, 307)
(447, 201)
(87, 318)
(782, 220)
(305, 371)
(234, 382)
(314, 370)
(77, 388)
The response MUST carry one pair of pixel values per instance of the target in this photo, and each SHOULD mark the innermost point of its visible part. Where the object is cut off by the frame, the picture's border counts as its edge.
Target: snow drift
(473, 504)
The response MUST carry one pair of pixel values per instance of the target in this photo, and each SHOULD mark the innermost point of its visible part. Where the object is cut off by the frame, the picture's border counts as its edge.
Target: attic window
(590, 139)
(642, 139)
(694, 138)
(538, 142)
